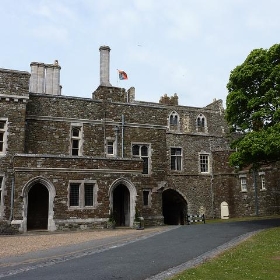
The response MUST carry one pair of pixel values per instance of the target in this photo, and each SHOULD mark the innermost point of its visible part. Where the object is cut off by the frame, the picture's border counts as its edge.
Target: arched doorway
(174, 208)
(38, 207)
(121, 205)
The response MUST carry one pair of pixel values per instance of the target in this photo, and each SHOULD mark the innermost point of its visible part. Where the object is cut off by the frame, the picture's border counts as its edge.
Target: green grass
(256, 258)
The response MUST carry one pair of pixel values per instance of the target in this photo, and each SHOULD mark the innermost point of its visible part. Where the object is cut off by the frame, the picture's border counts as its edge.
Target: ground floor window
(204, 163)
(82, 194)
(147, 197)
(243, 183)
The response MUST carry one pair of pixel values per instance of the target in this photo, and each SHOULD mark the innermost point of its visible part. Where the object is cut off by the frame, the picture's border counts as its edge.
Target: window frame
(243, 183)
(82, 184)
(3, 131)
(178, 159)
(173, 121)
(145, 158)
(78, 138)
(201, 123)
(263, 181)
(147, 198)
(113, 146)
(202, 162)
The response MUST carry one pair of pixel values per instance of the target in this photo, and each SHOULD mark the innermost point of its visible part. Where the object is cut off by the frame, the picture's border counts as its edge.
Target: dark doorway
(121, 205)
(174, 208)
(38, 208)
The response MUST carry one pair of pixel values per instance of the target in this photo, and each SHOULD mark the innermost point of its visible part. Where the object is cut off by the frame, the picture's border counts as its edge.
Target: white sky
(186, 47)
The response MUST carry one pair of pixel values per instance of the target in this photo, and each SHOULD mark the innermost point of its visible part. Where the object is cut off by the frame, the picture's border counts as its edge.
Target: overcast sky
(186, 47)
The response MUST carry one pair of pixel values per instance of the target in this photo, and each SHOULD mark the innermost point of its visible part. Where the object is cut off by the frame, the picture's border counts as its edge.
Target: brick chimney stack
(105, 66)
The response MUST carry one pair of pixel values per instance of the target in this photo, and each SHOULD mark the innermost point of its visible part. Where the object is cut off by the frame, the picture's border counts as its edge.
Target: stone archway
(121, 209)
(174, 207)
(38, 196)
(122, 195)
(38, 208)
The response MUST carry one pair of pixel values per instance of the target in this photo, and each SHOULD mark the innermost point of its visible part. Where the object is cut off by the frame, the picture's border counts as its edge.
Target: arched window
(201, 123)
(173, 121)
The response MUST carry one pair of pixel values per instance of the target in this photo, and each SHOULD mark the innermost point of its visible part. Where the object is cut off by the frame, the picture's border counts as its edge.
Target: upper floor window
(201, 124)
(110, 147)
(142, 151)
(262, 178)
(176, 159)
(243, 184)
(76, 140)
(82, 194)
(3, 136)
(174, 121)
(204, 163)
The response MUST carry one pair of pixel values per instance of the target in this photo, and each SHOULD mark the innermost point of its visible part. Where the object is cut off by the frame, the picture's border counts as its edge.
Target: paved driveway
(153, 257)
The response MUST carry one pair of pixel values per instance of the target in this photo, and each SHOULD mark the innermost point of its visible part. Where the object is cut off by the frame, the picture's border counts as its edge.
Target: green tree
(253, 108)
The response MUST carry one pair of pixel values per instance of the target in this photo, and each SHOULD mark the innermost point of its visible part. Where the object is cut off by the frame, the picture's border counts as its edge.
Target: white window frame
(172, 124)
(243, 183)
(201, 123)
(148, 157)
(113, 146)
(263, 181)
(78, 138)
(82, 199)
(204, 161)
(178, 159)
(4, 132)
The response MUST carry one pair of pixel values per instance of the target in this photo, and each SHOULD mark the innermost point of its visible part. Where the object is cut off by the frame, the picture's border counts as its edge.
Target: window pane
(135, 150)
(1, 146)
(144, 151)
(173, 165)
(1, 136)
(74, 194)
(89, 194)
(1, 181)
(146, 197)
(75, 144)
(110, 147)
(203, 163)
(145, 165)
(75, 132)
(179, 163)
(2, 125)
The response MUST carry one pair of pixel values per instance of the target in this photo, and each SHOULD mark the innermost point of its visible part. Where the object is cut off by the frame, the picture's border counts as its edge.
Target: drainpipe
(122, 136)
(12, 191)
(116, 129)
(256, 191)
(212, 179)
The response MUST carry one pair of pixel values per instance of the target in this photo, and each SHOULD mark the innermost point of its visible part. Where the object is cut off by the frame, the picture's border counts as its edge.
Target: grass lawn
(256, 258)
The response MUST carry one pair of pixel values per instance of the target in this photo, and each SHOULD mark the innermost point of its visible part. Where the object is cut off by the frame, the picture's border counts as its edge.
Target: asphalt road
(153, 257)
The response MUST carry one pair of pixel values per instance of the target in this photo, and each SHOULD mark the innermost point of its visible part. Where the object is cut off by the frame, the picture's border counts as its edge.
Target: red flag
(122, 75)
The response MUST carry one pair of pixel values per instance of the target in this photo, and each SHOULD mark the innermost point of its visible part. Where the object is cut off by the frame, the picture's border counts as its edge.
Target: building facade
(69, 162)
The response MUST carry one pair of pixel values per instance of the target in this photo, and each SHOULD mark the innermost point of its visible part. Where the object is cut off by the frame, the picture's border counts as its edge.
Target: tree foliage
(253, 107)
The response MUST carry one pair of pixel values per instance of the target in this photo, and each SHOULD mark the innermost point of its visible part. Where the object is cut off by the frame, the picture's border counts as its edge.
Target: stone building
(69, 162)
